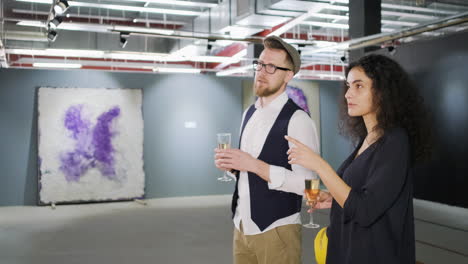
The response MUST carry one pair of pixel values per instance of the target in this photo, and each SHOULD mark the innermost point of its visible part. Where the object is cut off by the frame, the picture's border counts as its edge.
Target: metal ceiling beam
(418, 9)
(176, 3)
(419, 29)
(387, 37)
(143, 31)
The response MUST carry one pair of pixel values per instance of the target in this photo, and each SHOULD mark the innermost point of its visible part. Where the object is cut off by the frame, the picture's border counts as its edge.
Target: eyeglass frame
(263, 66)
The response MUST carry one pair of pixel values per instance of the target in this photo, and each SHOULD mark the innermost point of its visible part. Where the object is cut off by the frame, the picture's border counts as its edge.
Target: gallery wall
(178, 161)
(439, 68)
(335, 148)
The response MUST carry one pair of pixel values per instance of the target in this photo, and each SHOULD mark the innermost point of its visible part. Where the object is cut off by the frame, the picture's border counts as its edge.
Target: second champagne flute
(312, 189)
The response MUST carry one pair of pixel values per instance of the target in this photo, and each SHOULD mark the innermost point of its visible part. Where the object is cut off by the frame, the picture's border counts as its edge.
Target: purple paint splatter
(74, 122)
(102, 137)
(297, 95)
(93, 148)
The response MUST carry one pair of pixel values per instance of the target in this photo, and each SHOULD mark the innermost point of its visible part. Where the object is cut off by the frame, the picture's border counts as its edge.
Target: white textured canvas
(90, 144)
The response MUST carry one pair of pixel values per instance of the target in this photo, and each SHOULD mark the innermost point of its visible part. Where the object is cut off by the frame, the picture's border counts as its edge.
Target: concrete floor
(177, 230)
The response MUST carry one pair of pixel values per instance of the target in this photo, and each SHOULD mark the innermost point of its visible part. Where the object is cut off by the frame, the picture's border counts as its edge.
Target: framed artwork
(90, 145)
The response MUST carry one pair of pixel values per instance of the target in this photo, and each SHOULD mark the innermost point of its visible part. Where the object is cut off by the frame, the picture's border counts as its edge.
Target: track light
(52, 35)
(55, 22)
(124, 39)
(300, 47)
(209, 46)
(61, 7)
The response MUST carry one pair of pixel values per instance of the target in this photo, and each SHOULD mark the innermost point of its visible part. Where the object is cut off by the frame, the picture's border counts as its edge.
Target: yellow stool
(320, 246)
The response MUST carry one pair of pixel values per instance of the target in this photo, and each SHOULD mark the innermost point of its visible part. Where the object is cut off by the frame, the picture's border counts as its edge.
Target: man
(267, 201)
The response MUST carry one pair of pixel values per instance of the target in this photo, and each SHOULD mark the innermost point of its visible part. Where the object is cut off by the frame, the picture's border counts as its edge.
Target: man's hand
(227, 159)
(218, 160)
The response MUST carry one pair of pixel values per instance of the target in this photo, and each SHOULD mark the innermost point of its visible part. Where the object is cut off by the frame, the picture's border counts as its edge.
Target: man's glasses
(269, 68)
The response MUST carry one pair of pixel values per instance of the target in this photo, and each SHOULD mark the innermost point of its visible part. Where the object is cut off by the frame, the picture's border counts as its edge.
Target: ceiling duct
(416, 30)
(216, 28)
(381, 38)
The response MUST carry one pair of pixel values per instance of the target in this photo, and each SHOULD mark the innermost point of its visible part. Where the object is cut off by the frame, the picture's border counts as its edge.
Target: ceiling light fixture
(123, 8)
(136, 56)
(56, 65)
(325, 24)
(69, 26)
(55, 22)
(81, 15)
(331, 76)
(177, 70)
(214, 59)
(235, 70)
(29, 23)
(333, 48)
(143, 30)
(124, 39)
(177, 3)
(52, 35)
(37, 1)
(138, 9)
(61, 6)
(189, 50)
(58, 52)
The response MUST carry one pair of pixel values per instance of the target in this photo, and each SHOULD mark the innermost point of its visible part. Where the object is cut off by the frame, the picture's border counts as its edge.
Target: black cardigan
(376, 224)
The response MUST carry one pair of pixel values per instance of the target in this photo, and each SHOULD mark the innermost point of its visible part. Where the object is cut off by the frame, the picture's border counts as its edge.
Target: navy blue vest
(267, 205)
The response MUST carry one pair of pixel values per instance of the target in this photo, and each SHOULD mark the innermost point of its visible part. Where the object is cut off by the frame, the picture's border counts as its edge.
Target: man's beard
(265, 91)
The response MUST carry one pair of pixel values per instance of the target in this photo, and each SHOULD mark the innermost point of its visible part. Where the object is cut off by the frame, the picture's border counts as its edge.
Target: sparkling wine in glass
(312, 190)
(224, 142)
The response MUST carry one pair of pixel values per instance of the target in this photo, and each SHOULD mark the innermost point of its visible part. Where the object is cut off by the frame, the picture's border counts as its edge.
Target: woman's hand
(324, 201)
(302, 155)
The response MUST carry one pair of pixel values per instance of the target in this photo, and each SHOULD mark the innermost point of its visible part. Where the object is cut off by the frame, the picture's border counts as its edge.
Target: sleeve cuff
(277, 176)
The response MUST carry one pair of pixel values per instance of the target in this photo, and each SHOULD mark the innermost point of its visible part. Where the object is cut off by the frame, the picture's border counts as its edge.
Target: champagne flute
(224, 142)
(312, 190)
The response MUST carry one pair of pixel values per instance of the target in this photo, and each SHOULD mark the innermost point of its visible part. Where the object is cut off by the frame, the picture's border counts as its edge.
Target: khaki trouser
(281, 245)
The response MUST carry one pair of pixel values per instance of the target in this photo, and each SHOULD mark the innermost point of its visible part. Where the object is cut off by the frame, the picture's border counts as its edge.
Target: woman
(371, 219)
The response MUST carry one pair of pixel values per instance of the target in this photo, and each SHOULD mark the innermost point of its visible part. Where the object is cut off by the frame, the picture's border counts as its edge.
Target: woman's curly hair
(397, 101)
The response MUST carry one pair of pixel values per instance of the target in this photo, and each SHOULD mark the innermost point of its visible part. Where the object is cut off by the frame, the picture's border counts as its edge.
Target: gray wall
(335, 148)
(178, 161)
(439, 68)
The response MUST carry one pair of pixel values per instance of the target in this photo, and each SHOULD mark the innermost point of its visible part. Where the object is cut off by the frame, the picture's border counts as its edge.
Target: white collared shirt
(302, 128)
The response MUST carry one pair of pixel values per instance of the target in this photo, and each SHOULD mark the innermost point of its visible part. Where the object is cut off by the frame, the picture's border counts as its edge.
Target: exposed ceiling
(204, 35)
